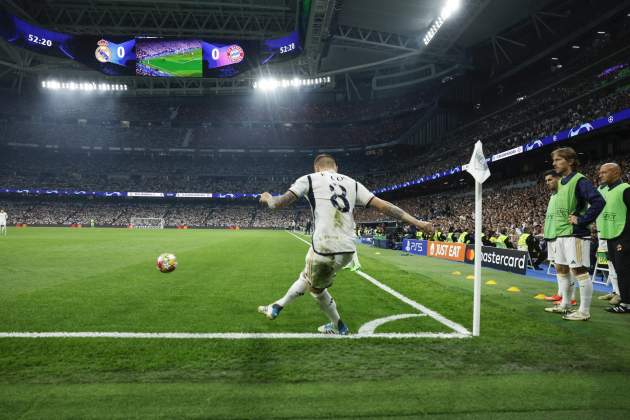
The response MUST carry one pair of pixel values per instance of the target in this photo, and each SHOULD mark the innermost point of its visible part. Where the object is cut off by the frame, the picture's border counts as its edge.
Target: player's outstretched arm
(389, 209)
(277, 202)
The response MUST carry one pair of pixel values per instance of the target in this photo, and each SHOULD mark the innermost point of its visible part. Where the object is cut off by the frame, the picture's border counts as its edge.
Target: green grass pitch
(178, 65)
(526, 363)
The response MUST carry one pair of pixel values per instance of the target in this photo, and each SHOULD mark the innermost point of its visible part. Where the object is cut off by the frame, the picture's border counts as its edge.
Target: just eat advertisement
(447, 250)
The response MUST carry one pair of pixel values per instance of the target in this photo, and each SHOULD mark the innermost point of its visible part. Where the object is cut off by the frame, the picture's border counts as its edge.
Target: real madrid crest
(103, 53)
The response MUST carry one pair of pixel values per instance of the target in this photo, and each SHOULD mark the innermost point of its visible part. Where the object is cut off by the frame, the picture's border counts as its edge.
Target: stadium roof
(381, 41)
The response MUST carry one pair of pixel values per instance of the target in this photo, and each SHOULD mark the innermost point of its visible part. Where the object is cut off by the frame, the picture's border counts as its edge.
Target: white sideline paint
(370, 327)
(222, 336)
(423, 309)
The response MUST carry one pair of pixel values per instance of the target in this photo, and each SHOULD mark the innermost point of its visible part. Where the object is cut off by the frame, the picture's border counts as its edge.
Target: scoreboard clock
(152, 56)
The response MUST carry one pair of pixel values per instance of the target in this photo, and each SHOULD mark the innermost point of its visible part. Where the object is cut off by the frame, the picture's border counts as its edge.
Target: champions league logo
(584, 128)
(535, 145)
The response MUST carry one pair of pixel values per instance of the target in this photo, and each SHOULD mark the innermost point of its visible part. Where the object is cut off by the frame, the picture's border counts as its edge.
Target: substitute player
(332, 197)
(571, 222)
(613, 297)
(3, 222)
(614, 228)
(549, 232)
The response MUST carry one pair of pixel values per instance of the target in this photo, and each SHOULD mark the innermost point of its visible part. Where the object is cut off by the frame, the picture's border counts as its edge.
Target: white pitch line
(223, 336)
(433, 314)
(441, 319)
(301, 239)
(370, 327)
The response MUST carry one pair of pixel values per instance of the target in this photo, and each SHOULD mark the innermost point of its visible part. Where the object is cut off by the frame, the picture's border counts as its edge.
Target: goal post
(146, 223)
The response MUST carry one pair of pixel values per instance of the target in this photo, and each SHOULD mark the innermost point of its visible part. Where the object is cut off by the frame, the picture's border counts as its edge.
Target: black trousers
(619, 254)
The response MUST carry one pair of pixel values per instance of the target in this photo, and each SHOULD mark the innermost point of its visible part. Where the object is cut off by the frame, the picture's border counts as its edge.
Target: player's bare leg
(297, 289)
(328, 305)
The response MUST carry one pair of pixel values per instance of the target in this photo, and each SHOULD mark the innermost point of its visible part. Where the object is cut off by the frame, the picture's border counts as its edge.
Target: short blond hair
(325, 160)
(569, 154)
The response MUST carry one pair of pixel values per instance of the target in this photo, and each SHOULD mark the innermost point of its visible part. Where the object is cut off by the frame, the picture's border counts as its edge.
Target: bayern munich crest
(103, 53)
(235, 54)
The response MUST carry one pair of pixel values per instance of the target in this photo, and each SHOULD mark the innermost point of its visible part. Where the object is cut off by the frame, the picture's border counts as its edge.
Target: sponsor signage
(446, 250)
(61, 192)
(510, 260)
(512, 152)
(234, 195)
(415, 247)
(366, 240)
(194, 195)
(145, 194)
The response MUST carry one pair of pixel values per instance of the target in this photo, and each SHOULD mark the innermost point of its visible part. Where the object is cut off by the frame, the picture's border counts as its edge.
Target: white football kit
(572, 251)
(3, 222)
(332, 198)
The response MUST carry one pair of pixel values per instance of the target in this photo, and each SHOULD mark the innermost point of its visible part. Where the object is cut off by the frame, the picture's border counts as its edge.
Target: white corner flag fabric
(478, 168)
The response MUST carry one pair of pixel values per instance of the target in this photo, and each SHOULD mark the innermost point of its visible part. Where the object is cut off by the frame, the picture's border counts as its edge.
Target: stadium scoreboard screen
(151, 56)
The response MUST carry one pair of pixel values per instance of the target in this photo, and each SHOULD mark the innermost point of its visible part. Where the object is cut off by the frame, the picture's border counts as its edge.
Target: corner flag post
(478, 168)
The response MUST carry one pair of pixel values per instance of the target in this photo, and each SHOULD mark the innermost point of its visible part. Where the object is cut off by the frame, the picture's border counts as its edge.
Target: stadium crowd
(509, 205)
(69, 151)
(120, 214)
(582, 98)
(194, 112)
(509, 130)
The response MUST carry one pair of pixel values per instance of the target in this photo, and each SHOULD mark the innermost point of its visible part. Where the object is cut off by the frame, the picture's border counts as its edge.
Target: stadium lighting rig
(449, 9)
(269, 84)
(83, 86)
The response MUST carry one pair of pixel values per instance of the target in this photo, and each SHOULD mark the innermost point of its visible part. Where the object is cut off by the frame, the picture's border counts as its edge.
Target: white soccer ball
(166, 263)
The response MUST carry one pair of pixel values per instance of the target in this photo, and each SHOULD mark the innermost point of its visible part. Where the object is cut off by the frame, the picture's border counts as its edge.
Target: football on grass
(166, 263)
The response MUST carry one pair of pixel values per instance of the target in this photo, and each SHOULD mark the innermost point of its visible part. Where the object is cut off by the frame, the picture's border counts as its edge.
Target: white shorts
(574, 252)
(551, 250)
(321, 269)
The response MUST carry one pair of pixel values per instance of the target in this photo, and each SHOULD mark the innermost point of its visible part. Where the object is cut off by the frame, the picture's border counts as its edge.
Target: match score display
(151, 56)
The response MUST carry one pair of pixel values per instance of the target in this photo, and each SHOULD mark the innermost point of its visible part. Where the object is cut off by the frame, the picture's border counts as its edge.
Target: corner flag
(478, 168)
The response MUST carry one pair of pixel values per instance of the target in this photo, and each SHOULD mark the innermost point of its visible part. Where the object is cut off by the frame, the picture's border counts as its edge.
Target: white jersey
(332, 197)
(3, 218)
